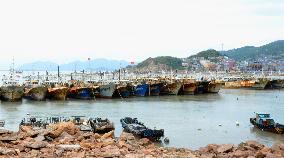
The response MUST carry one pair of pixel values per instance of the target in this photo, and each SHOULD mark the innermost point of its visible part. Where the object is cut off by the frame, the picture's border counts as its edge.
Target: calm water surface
(189, 121)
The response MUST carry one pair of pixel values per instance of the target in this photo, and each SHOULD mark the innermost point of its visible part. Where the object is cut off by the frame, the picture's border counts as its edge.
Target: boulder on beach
(57, 129)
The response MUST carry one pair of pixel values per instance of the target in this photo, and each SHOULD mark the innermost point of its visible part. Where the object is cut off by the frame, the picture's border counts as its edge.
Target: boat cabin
(264, 119)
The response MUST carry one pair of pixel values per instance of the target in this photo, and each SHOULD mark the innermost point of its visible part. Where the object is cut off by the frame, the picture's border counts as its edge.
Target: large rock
(9, 138)
(59, 128)
(254, 144)
(4, 131)
(28, 130)
(36, 144)
(225, 148)
(68, 147)
(6, 151)
(108, 135)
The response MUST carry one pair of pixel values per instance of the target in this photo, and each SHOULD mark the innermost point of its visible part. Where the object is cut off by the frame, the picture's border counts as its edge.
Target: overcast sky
(67, 30)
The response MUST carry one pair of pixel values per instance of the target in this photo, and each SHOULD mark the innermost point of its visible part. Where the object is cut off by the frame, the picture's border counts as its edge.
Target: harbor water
(190, 121)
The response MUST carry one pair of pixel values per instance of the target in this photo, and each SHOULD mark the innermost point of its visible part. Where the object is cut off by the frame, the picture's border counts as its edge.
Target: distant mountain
(160, 63)
(94, 65)
(250, 52)
(207, 54)
(39, 66)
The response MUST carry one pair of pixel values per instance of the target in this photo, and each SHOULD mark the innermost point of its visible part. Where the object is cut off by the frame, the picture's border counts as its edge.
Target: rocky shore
(66, 140)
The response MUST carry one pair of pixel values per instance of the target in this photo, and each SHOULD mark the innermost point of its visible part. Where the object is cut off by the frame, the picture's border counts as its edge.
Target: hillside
(275, 49)
(162, 63)
(206, 54)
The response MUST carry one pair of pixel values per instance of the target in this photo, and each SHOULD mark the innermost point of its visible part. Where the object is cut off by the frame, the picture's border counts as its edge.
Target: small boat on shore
(101, 125)
(132, 125)
(266, 123)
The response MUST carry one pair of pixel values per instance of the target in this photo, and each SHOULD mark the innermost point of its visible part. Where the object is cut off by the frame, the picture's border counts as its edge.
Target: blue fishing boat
(82, 93)
(141, 89)
(155, 89)
(121, 91)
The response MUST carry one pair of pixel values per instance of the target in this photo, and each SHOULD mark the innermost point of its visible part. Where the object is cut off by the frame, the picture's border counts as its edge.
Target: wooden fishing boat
(12, 93)
(37, 93)
(57, 93)
(188, 87)
(170, 88)
(213, 87)
(132, 125)
(266, 123)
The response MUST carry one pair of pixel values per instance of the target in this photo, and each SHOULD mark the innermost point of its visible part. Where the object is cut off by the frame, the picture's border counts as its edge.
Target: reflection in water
(189, 121)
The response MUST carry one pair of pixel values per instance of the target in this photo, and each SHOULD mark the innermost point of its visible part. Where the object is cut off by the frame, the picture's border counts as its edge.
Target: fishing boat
(277, 83)
(141, 89)
(12, 89)
(101, 125)
(266, 123)
(170, 88)
(213, 87)
(37, 93)
(58, 93)
(188, 87)
(154, 87)
(34, 90)
(132, 125)
(12, 93)
(260, 83)
(82, 122)
(106, 90)
(202, 87)
(82, 92)
(121, 90)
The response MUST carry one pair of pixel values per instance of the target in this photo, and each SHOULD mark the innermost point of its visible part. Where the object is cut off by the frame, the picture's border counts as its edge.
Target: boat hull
(170, 88)
(58, 93)
(106, 91)
(260, 84)
(12, 93)
(36, 93)
(81, 93)
(278, 129)
(202, 87)
(277, 84)
(188, 88)
(154, 89)
(214, 87)
(141, 89)
(122, 92)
